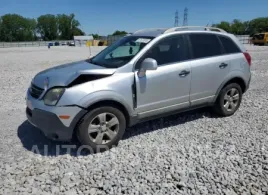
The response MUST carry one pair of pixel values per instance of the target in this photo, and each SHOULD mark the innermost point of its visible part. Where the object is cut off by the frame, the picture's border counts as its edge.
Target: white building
(81, 40)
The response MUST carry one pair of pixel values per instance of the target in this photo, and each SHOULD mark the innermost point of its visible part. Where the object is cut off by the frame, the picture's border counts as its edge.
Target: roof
(154, 32)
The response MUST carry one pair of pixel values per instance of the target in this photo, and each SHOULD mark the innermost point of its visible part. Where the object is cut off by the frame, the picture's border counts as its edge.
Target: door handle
(184, 73)
(223, 65)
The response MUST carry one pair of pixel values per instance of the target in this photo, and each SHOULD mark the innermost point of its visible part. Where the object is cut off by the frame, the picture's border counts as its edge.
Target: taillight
(248, 58)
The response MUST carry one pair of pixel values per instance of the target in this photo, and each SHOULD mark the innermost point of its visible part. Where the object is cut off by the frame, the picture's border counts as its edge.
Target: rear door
(166, 88)
(209, 67)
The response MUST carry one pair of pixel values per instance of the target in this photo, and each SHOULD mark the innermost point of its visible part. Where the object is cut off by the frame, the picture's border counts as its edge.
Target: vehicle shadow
(169, 121)
(34, 140)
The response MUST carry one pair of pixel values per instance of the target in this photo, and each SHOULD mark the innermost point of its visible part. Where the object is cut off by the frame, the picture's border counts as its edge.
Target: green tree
(223, 25)
(95, 36)
(120, 33)
(17, 28)
(47, 27)
(68, 26)
(238, 27)
(258, 25)
(77, 32)
(1, 29)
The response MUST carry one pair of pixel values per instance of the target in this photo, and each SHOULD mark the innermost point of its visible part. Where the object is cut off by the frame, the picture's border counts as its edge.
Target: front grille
(35, 91)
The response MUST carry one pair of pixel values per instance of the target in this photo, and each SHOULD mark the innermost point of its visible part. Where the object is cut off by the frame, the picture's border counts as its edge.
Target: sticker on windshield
(142, 40)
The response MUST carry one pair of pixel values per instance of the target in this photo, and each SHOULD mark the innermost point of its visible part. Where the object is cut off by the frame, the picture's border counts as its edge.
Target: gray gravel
(190, 153)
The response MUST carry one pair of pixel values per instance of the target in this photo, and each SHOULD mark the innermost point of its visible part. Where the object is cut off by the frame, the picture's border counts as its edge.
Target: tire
(95, 126)
(232, 93)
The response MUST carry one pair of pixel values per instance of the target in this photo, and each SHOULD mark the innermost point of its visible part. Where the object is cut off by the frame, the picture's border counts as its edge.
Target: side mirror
(147, 64)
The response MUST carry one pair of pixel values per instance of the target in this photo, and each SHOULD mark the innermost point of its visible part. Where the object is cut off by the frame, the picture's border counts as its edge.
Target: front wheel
(229, 100)
(102, 128)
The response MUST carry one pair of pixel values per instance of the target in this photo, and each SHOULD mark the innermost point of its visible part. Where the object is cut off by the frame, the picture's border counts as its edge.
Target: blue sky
(106, 16)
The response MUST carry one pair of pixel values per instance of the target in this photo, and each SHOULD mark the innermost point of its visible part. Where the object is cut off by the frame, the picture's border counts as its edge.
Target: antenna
(185, 17)
(176, 19)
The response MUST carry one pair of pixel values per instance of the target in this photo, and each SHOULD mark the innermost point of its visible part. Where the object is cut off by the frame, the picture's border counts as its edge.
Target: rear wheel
(229, 100)
(102, 128)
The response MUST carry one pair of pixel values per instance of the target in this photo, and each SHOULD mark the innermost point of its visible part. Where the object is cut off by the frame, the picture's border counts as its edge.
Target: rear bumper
(51, 125)
(248, 82)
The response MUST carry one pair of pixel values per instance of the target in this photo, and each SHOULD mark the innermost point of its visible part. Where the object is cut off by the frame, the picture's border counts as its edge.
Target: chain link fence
(33, 43)
(112, 38)
(244, 39)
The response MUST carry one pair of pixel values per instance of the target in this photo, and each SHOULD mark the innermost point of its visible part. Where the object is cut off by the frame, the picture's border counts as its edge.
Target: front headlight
(53, 96)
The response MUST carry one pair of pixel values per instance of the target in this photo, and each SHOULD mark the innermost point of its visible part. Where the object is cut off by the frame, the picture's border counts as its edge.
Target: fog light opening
(54, 136)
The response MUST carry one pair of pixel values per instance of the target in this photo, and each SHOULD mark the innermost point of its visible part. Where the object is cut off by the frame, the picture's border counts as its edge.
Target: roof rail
(148, 29)
(205, 28)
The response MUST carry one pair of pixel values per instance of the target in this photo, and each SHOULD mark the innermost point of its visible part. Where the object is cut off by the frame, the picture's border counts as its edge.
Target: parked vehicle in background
(149, 74)
(56, 43)
(260, 39)
(71, 43)
(50, 44)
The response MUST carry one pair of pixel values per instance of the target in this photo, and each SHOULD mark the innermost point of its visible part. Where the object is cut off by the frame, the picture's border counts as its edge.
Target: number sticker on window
(142, 40)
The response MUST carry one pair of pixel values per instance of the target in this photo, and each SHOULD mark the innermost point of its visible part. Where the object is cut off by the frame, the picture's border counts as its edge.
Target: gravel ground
(190, 153)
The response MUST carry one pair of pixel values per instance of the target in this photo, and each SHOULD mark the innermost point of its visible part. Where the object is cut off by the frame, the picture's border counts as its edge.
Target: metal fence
(113, 38)
(244, 39)
(31, 43)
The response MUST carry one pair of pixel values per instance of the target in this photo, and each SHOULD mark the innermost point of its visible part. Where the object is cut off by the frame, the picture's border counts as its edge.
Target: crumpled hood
(64, 74)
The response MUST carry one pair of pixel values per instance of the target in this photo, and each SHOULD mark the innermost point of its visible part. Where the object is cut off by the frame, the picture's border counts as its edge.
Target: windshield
(120, 52)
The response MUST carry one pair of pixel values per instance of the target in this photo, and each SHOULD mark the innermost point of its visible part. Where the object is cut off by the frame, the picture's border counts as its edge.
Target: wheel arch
(111, 103)
(239, 80)
(100, 103)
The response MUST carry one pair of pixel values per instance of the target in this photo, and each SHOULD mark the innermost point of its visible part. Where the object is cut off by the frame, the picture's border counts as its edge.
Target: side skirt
(135, 119)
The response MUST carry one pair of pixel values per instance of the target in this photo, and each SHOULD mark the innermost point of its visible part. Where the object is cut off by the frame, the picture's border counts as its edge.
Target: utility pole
(176, 23)
(185, 17)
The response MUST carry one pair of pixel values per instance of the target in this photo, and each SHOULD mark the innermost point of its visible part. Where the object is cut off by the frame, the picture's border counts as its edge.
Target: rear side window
(229, 46)
(205, 45)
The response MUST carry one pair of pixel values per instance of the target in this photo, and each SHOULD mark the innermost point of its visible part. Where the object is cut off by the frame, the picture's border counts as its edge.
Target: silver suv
(151, 73)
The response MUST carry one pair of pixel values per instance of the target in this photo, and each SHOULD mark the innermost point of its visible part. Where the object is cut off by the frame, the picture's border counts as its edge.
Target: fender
(232, 75)
(103, 95)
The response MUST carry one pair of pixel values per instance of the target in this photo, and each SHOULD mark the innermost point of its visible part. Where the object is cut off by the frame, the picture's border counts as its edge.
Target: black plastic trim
(50, 124)
(135, 119)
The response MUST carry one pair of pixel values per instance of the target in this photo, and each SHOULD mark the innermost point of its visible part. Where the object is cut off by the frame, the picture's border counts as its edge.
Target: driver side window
(168, 50)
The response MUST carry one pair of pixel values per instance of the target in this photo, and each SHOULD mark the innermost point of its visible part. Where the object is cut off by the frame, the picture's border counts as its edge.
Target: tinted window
(169, 50)
(229, 45)
(205, 45)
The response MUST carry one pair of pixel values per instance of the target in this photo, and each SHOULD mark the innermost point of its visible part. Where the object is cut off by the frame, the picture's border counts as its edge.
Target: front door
(167, 88)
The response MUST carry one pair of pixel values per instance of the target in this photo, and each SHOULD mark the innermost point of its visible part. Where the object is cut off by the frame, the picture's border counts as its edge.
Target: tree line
(117, 32)
(238, 27)
(14, 27)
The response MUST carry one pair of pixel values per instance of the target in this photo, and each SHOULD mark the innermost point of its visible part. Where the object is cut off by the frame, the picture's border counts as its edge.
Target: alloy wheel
(103, 128)
(231, 99)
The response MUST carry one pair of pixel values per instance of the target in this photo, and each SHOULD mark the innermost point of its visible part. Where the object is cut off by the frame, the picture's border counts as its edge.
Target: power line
(176, 19)
(185, 17)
